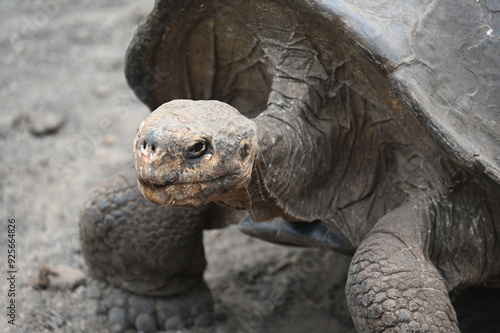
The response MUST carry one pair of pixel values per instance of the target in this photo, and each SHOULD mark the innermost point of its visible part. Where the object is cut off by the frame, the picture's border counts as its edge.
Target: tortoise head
(190, 153)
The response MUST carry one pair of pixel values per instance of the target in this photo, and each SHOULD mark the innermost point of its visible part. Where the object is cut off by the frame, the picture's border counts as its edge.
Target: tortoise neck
(254, 197)
(262, 206)
(241, 196)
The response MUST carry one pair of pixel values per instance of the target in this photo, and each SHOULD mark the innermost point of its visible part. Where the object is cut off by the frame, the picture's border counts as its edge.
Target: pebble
(64, 277)
(49, 325)
(57, 320)
(53, 322)
(60, 278)
(44, 123)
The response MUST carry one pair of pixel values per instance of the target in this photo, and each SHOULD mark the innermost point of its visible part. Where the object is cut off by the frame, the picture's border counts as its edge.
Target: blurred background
(67, 120)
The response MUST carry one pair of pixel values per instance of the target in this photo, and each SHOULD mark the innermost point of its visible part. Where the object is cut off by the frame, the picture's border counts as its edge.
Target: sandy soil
(67, 119)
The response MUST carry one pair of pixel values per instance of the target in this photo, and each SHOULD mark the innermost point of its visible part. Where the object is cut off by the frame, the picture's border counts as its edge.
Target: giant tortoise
(373, 124)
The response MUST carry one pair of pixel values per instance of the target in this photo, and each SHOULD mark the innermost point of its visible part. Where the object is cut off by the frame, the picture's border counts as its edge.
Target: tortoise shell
(438, 62)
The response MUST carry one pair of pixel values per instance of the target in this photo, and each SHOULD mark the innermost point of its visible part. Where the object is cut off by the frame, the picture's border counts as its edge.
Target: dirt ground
(67, 119)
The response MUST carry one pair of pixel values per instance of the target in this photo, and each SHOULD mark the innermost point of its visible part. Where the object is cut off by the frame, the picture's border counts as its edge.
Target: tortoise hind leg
(153, 254)
(392, 284)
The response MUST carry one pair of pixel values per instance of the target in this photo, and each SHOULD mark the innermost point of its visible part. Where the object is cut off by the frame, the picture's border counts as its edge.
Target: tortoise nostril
(149, 145)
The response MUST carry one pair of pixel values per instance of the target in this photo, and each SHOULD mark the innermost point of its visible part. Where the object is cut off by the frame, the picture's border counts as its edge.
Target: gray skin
(411, 248)
(153, 255)
(382, 137)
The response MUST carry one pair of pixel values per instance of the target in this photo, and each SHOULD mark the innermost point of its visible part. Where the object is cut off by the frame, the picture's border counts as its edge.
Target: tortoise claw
(306, 234)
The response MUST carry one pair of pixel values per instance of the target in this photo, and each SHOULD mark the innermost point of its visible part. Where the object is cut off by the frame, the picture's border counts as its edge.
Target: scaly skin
(403, 270)
(393, 286)
(171, 240)
(148, 250)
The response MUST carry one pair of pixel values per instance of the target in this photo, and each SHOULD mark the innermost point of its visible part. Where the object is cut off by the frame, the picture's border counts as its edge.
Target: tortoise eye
(196, 150)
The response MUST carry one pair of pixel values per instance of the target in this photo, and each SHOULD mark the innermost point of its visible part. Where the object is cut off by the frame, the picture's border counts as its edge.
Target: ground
(67, 120)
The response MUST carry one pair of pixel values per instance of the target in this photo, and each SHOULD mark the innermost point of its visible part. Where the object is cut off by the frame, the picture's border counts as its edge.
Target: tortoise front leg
(393, 286)
(153, 254)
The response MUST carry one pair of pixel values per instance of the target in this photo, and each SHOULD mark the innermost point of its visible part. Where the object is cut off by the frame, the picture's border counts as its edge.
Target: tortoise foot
(392, 284)
(152, 255)
(128, 312)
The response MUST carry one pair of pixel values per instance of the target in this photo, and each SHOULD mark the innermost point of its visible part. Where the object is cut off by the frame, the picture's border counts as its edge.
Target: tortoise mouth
(188, 193)
(153, 185)
(166, 184)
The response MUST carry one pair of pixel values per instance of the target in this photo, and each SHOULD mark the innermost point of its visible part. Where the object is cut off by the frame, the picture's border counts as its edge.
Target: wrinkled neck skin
(307, 172)
(323, 164)
(344, 161)
(322, 146)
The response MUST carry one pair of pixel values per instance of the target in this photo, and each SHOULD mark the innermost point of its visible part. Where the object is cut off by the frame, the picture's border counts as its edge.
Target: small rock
(62, 277)
(57, 320)
(41, 123)
(49, 325)
(42, 281)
